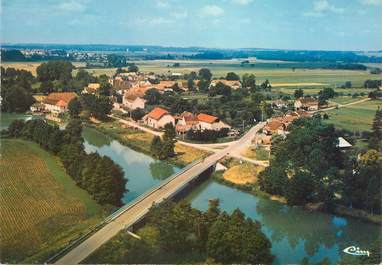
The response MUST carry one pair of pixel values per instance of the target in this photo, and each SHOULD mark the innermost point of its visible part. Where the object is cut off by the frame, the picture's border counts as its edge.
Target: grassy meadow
(356, 118)
(42, 209)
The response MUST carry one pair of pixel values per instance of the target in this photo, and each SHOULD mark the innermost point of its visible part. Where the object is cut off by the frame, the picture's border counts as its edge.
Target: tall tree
(298, 93)
(74, 107)
(375, 140)
(205, 74)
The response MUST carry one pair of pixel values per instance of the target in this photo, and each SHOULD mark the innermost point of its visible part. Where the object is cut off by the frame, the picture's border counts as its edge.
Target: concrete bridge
(132, 213)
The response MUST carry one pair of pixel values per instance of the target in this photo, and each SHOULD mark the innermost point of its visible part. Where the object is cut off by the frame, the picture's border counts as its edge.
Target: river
(295, 233)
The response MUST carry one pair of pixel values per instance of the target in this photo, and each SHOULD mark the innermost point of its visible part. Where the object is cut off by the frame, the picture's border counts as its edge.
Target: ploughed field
(41, 208)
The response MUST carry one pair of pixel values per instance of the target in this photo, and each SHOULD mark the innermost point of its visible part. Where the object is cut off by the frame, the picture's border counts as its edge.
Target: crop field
(280, 74)
(314, 91)
(41, 207)
(356, 118)
(30, 66)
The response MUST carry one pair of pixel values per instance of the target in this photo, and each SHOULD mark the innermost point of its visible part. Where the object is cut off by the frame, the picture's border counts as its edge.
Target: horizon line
(183, 47)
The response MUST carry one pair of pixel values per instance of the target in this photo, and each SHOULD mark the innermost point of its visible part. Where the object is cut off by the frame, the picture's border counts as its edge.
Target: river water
(295, 233)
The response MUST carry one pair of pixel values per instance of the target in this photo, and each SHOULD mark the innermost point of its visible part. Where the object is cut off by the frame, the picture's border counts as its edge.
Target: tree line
(98, 175)
(178, 233)
(16, 90)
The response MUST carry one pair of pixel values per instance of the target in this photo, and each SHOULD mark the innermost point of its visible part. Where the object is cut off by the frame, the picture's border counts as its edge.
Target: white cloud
(371, 2)
(162, 3)
(323, 5)
(154, 21)
(71, 6)
(212, 10)
(242, 2)
(179, 14)
(320, 7)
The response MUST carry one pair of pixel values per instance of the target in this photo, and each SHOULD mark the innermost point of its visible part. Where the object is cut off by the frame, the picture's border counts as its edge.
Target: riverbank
(252, 188)
(141, 142)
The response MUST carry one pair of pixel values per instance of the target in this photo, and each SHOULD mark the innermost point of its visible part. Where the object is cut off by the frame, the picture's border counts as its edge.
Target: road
(138, 209)
(215, 147)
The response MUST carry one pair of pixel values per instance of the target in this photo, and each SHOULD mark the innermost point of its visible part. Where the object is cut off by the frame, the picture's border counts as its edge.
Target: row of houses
(159, 117)
(280, 125)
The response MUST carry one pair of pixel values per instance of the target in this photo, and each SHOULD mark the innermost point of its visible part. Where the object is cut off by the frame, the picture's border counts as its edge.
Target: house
(234, 84)
(58, 102)
(166, 85)
(185, 122)
(280, 104)
(37, 107)
(158, 118)
(263, 139)
(133, 102)
(308, 103)
(92, 88)
(209, 122)
(274, 126)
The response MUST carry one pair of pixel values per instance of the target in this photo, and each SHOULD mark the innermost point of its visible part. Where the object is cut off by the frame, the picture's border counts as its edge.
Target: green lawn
(345, 99)
(275, 72)
(356, 117)
(42, 208)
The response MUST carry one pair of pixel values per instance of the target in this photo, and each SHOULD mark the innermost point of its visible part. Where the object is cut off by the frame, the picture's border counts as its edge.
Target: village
(128, 97)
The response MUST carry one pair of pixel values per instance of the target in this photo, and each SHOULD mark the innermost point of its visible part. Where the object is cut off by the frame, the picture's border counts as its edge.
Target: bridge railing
(117, 213)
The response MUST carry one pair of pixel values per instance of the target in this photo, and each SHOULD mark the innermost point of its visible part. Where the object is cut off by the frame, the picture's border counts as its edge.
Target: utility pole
(243, 125)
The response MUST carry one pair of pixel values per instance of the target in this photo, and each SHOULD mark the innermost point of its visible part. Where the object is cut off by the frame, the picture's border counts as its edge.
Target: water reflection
(161, 170)
(295, 233)
(141, 171)
(96, 138)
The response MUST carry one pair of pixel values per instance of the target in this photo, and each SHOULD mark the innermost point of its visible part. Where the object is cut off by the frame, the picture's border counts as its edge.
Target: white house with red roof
(132, 101)
(209, 122)
(58, 102)
(158, 118)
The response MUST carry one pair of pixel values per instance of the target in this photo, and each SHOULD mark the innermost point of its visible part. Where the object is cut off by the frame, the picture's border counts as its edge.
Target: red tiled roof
(157, 113)
(273, 125)
(60, 99)
(227, 82)
(308, 100)
(207, 118)
(163, 85)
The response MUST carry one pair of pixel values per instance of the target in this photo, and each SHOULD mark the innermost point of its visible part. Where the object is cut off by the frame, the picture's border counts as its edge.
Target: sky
(283, 24)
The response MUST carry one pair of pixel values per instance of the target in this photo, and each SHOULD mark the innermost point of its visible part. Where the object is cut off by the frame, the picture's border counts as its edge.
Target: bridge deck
(137, 210)
(134, 213)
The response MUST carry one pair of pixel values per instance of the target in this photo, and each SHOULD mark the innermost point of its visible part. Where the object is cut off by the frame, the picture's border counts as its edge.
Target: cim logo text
(356, 251)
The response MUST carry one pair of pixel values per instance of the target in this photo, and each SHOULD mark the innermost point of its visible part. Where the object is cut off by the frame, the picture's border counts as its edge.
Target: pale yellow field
(243, 174)
(297, 84)
(31, 66)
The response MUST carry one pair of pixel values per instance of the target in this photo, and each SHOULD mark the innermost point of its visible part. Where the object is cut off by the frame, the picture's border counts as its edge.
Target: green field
(281, 74)
(345, 99)
(356, 118)
(277, 73)
(42, 209)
